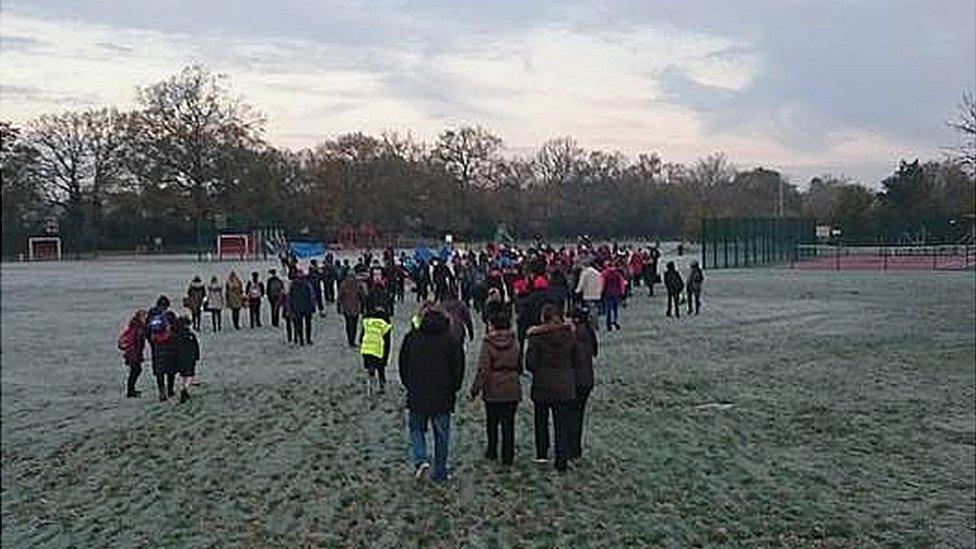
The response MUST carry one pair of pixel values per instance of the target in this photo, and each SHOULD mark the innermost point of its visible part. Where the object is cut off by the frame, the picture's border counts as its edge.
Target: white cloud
(606, 88)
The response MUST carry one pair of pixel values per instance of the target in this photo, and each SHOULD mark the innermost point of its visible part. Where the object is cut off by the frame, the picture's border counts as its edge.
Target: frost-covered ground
(799, 407)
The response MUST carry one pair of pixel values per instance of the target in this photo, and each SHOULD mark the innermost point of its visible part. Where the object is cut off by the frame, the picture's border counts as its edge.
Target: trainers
(540, 461)
(421, 470)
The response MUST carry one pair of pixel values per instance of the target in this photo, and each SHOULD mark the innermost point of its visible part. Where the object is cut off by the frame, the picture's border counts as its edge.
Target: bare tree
(965, 124)
(190, 127)
(470, 154)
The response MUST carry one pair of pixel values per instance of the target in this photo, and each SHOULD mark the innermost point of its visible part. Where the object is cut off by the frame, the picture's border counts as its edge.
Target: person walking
(586, 352)
(195, 295)
(590, 290)
(431, 366)
(187, 355)
(132, 342)
(302, 302)
(375, 347)
(215, 304)
(235, 298)
(551, 358)
(461, 327)
(315, 280)
(696, 278)
(614, 289)
(497, 380)
(674, 285)
(159, 331)
(255, 293)
(350, 303)
(274, 288)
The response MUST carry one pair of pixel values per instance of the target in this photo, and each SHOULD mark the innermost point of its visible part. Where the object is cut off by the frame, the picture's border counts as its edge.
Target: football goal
(234, 246)
(44, 248)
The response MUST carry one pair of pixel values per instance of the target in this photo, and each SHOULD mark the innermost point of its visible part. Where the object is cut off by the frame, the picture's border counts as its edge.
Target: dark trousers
(303, 328)
(290, 327)
(501, 414)
(275, 311)
(330, 294)
(235, 316)
(254, 314)
(579, 409)
(562, 413)
(676, 299)
(195, 314)
(165, 386)
(694, 295)
(319, 303)
(216, 319)
(352, 325)
(135, 370)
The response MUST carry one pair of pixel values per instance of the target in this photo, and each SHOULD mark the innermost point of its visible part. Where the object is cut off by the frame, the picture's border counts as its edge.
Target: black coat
(187, 352)
(530, 309)
(673, 282)
(551, 357)
(586, 351)
(431, 366)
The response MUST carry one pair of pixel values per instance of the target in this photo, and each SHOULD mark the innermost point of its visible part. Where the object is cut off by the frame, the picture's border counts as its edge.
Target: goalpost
(234, 246)
(44, 248)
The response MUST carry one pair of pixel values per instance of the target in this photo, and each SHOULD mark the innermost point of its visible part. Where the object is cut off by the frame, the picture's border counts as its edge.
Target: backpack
(159, 328)
(126, 339)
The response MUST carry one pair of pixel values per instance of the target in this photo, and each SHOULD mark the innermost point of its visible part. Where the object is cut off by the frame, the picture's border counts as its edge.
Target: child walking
(375, 346)
(187, 355)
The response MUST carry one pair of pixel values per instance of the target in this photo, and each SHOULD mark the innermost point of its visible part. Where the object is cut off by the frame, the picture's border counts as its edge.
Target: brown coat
(499, 367)
(551, 357)
(235, 293)
(352, 296)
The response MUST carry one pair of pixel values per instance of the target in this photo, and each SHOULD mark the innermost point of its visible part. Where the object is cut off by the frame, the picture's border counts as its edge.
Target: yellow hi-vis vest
(374, 329)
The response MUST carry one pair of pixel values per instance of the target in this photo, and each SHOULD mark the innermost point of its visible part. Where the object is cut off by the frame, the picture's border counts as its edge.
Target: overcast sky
(804, 87)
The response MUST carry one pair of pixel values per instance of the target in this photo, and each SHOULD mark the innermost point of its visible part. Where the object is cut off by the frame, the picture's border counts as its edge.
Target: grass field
(845, 418)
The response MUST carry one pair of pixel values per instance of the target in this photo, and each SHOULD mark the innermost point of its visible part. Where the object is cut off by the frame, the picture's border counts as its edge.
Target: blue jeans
(417, 423)
(613, 311)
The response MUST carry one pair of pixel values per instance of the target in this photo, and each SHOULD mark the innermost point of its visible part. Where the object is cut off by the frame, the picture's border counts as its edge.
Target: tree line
(191, 159)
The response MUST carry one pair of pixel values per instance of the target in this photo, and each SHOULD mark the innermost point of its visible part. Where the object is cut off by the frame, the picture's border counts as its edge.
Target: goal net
(234, 246)
(44, 248)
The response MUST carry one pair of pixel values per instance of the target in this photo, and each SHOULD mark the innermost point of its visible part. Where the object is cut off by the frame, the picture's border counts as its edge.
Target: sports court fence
(753, 241)
(839, 257)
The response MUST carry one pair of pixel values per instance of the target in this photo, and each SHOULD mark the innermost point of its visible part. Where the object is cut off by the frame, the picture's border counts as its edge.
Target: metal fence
(842, 257)
(753, 241)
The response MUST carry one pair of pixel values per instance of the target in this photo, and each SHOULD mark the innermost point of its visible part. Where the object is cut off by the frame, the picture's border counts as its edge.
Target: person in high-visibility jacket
(375, 346)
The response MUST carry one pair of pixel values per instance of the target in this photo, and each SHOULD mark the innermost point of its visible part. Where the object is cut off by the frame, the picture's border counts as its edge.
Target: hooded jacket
(196, 293)
(551, 357)
(352, 296)
(431, 366)
(499, 367)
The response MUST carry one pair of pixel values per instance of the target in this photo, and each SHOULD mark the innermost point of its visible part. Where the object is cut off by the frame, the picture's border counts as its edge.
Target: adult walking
(302, 302)
(674, 285)
(586, 352)
(431, 368)
(614, 289)
(195, 295)
(255, 293)
(351, 300)
(215, 304)
(590, 289)
(235, 298)
(497, 380)
(461, 327)
(551, 357)
(696, 278)
(274, 288)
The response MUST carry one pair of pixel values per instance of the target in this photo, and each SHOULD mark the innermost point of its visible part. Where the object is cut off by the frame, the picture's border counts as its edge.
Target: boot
(184, 396)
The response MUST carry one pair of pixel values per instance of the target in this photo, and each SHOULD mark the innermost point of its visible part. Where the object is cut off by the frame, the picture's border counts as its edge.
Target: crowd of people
(541, 309)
